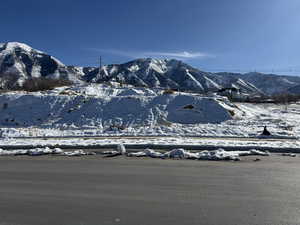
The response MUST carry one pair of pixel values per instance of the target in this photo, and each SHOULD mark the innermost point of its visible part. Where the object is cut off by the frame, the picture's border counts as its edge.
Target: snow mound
(121, 149)
(187, 109)
(109, 113)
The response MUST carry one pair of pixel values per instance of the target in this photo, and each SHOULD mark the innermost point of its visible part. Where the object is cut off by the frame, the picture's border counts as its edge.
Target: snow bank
(31, 152)
(289, 154)
(77, 153)
(147, 152)
(43, 151)
(216, 155)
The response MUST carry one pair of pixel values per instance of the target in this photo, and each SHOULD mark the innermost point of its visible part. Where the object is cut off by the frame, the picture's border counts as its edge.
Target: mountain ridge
(26, 62)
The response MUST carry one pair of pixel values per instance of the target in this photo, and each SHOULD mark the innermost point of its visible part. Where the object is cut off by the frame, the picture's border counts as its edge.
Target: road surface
(127, 191)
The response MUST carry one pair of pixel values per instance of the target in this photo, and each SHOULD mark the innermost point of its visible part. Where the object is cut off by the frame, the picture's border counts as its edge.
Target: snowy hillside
(109, 109)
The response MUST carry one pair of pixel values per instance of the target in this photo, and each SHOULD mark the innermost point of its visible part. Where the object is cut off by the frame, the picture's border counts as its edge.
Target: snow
(180, 153)
(121, 149)
(161, 142)
(43, 151)
(158, 66)
(99, 110)
(219, 154)
(18, 65)
(146, 153)
(74, 153)
(211, 84)
(205, 110)
(36, 71)
(192, 82)
(31, 152)
(143, 117)
(133, 68)
(289, 154)
(11, 46)
(124, 110)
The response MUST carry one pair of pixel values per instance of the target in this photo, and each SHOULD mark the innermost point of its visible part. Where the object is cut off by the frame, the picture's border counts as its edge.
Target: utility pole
(100, 65)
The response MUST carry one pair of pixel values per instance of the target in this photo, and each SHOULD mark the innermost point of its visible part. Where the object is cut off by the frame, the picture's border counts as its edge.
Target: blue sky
(226, 35)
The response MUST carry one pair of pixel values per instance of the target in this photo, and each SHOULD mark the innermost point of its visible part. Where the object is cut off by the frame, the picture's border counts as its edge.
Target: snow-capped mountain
(19, 61)
(167, 74)
(155, 73)
(268, 83)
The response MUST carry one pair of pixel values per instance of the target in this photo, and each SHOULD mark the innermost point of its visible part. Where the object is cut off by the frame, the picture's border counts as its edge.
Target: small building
(233, 93)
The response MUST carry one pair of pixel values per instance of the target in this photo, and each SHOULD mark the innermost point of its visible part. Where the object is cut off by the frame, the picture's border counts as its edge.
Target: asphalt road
(95, 191)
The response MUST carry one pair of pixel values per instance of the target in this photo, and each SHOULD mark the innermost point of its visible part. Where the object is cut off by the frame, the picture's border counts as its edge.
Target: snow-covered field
(169, 119)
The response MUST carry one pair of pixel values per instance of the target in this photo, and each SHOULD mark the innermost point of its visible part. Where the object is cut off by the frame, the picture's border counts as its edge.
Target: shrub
(231, 112)
(8, 82)
(285, 98)
(188, 107)
(43, 84)
(168, 92)
(117, 127)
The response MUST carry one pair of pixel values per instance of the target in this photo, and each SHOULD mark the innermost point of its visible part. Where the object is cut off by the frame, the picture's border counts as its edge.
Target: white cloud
(184, 54)
(136, 54)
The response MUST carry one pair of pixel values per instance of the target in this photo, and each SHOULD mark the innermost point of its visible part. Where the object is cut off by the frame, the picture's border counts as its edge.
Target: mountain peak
(155, 60)
(12, 46)
(23, 61)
